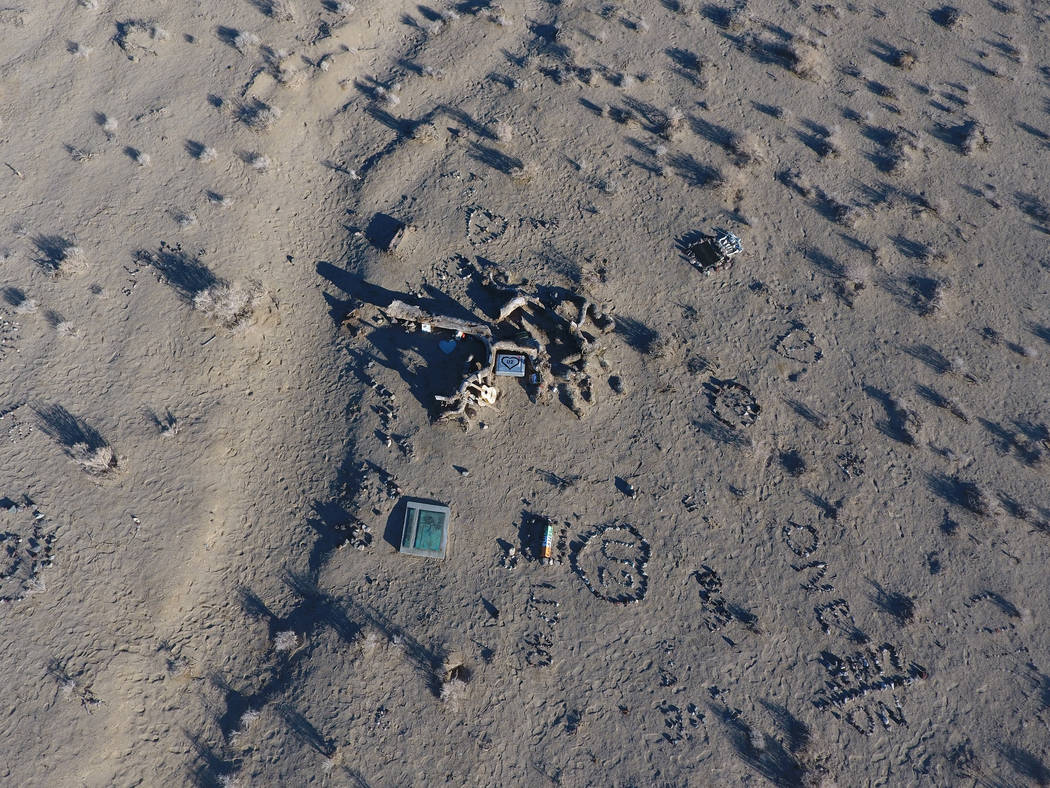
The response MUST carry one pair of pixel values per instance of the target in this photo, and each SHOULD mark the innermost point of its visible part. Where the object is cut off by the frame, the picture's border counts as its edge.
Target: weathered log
(399, 310)
(519, 301)
(509, 346)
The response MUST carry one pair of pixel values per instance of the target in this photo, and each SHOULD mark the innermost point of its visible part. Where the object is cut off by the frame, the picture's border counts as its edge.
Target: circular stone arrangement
(732, 403)
(25, 549)
(800, 345)
(801, 539)
(611, 561)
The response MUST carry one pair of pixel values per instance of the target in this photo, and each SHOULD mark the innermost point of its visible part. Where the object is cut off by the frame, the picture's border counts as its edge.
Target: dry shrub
(247, 720)
(388, 95)
(933, 256)
(504, 131)
(737, 19)
(291, 77)
(808, 62)
(230, 304)
(829, 145)
(905, 59)
(281, 10)
(370, 642)
(259, 162)
(975, 137)
(244, 40)
(286, 641)
(26, 306)
(936, 299)
(902, 151)
(454, 677)
(259, 115)
(946, 16)
(672, 123)
(802, 58)
(747, 149)
(857, 274)
(97, 461)
(453, 692)
(71, 262)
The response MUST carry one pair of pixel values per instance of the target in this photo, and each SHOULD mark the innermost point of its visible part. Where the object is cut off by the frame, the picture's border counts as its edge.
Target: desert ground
(798, 500)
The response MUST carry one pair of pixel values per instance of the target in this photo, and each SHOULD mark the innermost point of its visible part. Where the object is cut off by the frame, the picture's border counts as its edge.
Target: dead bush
(230, 304)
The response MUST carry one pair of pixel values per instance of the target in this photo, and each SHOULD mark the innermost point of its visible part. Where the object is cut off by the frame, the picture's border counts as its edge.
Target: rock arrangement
(611, 561)
(26, 549)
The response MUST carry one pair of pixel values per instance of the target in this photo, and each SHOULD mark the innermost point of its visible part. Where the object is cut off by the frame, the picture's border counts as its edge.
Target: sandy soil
(799, 504)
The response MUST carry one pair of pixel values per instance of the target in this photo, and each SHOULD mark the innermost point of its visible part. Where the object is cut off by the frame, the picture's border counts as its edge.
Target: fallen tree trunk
(399, 310)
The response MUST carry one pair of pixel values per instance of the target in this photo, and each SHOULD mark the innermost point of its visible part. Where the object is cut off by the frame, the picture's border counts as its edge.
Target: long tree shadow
(1026, 764)
(66, 429)
(358, 288)
(314, 609)
(929, 356)
(763, 753)
(425, 660)
(459, 116)
(688, 65)
(185, 274)
(797, 733)
(52, 250)
(895, 603)
(898, 420)
(214, 770)
(496, 159)
(331, 522)
(347, 617)
(317, 607)
(959, 492)
(402, 126)
(305, 731)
